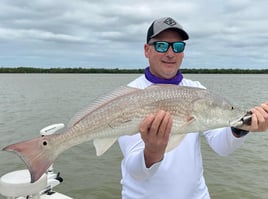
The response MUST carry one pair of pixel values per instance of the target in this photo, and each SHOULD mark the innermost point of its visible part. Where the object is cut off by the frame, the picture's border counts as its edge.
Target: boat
(17, 184)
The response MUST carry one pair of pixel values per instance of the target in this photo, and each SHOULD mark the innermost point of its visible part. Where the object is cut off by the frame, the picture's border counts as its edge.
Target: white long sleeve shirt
(180, 174)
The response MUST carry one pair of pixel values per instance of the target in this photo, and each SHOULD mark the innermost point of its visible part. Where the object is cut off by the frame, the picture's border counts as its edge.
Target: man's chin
(169, 73)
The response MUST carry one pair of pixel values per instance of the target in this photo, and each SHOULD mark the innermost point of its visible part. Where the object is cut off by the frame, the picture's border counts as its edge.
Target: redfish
(120, 113)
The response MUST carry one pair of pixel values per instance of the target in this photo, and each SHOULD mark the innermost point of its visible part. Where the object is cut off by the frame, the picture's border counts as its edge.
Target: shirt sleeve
(133, 163)
(222, 140)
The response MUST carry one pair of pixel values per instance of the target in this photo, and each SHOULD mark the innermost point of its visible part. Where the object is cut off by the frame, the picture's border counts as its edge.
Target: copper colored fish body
(120, 113)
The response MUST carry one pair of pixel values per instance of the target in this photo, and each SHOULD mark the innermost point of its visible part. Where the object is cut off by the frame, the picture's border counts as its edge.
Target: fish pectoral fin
(174, 141)
(102, 145)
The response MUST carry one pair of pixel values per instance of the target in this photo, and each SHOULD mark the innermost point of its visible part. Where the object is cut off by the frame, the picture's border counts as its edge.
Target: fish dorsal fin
(174, 141)
(102, 145)
(121, 91)
(160, 86)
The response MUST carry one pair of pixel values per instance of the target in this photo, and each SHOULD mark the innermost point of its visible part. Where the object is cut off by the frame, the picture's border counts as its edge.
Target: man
(149, 172)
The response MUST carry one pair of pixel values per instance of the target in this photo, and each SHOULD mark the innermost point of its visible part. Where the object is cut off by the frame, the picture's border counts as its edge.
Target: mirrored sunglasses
(163, 46)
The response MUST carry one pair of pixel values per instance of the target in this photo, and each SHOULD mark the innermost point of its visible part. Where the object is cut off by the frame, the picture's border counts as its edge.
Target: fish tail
(36, 154)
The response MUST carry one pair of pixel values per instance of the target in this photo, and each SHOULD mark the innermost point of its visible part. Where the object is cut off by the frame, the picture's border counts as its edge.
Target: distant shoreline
(127, 71)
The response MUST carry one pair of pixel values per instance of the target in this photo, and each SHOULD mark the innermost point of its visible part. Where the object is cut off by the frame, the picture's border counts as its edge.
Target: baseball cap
(159, 25)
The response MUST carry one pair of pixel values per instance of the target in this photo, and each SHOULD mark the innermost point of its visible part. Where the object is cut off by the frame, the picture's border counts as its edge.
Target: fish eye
(44, 143)
(232, 108)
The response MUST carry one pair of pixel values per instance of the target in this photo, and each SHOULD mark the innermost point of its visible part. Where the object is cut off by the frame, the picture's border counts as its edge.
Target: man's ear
(146, 50)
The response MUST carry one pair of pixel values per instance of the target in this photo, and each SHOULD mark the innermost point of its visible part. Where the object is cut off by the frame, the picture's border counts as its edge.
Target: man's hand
(259, 121)
(155, 131)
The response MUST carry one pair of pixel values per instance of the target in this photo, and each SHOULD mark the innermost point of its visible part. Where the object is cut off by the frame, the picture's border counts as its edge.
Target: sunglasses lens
(161, 46)
(178, 47)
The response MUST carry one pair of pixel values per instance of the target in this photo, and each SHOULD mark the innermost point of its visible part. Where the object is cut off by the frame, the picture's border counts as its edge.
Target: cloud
(104, 33)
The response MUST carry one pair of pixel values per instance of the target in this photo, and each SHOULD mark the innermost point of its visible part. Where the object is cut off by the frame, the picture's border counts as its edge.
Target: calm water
(29, 102)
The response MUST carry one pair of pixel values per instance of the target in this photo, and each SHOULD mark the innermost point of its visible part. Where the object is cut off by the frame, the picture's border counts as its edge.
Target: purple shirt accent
(157, 80)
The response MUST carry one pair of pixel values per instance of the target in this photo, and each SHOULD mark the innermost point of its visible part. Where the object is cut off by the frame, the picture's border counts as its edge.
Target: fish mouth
(241, 121)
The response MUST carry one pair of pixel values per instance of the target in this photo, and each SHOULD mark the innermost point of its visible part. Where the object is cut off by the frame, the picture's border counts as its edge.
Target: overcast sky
(111, 33)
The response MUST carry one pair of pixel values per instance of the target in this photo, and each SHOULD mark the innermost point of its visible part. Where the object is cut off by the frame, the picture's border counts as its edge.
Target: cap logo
(169, 21)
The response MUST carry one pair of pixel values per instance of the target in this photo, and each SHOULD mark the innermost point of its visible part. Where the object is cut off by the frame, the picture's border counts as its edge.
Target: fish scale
(120, 113)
